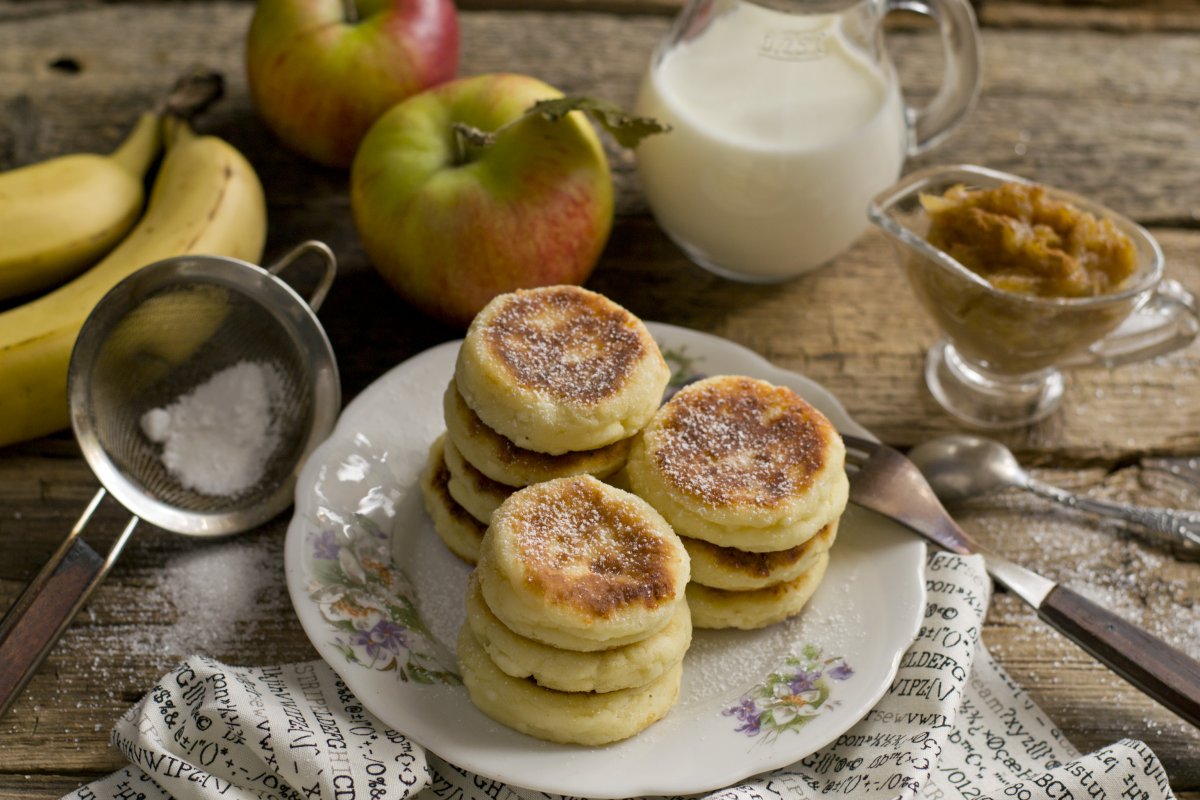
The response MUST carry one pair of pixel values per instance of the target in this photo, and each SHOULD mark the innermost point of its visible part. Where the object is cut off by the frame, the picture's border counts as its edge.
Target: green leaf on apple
(627, 129)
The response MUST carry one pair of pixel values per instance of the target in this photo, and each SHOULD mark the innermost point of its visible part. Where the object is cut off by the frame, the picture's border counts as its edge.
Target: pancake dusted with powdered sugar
(741, 463)
(753, 480)
(560, 368)
(578, 564)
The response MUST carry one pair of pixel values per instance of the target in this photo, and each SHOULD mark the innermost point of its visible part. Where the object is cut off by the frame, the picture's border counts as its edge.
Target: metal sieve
(154, 337)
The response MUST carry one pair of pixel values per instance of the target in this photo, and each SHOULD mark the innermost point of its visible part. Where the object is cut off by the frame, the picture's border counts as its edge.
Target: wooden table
(1102, 98)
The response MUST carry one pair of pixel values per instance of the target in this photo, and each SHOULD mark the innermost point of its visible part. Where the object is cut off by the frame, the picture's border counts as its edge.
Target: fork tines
(886, 482)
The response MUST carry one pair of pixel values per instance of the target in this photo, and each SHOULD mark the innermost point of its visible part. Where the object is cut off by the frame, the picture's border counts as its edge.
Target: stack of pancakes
(577, 622)
(580, 609)
(549, 383)
(753, 479)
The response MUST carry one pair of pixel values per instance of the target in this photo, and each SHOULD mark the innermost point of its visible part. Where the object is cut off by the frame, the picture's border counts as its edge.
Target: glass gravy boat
(999, 361)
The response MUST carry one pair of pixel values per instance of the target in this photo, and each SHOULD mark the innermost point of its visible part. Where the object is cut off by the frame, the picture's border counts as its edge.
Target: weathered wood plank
(1105, 113)
(1122, 16)
(39, 786)
(1123, 570)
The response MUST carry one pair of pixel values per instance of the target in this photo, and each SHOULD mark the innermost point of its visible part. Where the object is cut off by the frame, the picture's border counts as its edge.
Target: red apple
(321, 71)
(450, 226)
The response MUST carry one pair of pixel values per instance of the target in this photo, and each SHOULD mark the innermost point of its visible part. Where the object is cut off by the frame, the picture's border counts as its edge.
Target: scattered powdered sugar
(724, 663)
(221, 590)
(566, 342)
(217, 438)
(730, 441)
(225, 599)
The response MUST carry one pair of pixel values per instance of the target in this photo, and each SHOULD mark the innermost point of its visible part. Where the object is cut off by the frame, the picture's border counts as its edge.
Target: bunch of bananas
(83, 215)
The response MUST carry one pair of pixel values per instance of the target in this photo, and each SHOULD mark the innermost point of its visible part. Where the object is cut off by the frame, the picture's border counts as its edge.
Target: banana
(61, 215)
(206, 199)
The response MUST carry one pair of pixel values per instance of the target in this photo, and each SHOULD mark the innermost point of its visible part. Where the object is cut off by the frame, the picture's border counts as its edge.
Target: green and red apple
(322, 71)
(450, 225)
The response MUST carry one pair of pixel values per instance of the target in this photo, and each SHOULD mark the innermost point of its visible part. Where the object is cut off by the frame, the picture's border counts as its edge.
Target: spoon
(960, 467)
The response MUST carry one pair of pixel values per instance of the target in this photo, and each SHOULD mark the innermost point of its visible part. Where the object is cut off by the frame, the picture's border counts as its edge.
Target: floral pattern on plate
(683, 369)
(368, 601)
(791, 697)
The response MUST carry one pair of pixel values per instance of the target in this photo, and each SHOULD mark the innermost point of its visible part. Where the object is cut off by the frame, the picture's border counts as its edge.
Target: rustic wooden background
(1099, 97)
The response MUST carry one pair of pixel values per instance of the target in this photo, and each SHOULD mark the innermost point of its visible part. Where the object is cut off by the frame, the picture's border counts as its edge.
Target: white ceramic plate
(382, 600)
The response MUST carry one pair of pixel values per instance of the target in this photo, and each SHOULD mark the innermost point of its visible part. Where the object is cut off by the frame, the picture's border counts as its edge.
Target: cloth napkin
(952, 725)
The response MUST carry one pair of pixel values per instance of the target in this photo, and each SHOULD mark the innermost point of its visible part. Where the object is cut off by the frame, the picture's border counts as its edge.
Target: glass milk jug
(786, 120)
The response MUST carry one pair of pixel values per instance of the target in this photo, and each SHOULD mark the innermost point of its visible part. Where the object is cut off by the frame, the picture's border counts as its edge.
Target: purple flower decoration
(385, 636)
(841, 672)
(748, 713)
(325, 546)
(790, 697)
(803, 681)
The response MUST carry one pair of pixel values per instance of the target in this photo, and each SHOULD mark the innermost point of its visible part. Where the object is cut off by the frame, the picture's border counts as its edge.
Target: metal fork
(884, 481)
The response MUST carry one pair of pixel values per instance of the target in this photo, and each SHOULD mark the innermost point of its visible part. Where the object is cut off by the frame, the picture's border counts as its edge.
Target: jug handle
(960, 81)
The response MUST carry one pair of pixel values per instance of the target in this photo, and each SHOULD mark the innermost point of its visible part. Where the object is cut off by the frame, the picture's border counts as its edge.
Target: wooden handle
(1162, 672)
(35, 621)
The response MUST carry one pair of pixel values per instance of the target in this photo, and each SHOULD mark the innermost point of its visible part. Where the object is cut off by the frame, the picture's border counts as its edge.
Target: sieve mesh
(172, 332)
(173, 340)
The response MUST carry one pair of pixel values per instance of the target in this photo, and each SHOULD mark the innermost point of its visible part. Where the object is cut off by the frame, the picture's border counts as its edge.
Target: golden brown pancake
(741, 463)
(587, 718)
(560, 368)
(718, 608)
(470, 488)
(570, 670)
(502, 461)
(578, 564)
(740, 570)
(460, 531)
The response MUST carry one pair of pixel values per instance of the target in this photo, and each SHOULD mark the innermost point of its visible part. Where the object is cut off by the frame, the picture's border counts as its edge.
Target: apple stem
(351, 11)
(462, 147)
(469, 140)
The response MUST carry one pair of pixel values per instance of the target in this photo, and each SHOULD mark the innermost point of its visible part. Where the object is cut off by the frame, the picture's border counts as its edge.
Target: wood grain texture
(1108, 15)
(1121, 16)
(1168, 675)
(1100, 97)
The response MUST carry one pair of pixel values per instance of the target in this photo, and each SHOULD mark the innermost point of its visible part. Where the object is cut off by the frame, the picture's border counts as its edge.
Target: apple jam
(1023, 240)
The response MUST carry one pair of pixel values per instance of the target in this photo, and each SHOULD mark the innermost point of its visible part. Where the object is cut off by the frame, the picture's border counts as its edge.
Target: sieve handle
(49, 603)
(302, 249)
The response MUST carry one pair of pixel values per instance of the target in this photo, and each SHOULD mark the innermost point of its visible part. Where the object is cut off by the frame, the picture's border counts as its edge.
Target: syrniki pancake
(587, 718)
(573, 671)
(470, 488)
(740, 571)
(560, 368)
(502, 461)
(741, 463)
(826, 503)
(718, 608)
(578, 564)
(461, 532)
